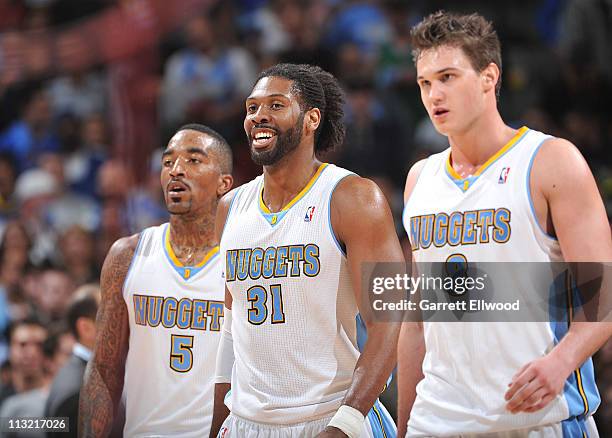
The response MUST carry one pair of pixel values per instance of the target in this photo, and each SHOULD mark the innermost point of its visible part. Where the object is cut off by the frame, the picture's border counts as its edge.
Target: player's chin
(178, 207)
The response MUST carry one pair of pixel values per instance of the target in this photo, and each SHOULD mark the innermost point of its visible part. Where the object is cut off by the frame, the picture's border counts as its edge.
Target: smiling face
(274, 120)
(454, 94)
(190, 175)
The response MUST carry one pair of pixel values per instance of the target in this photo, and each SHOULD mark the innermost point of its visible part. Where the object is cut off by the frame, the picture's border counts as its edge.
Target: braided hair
(316, 89)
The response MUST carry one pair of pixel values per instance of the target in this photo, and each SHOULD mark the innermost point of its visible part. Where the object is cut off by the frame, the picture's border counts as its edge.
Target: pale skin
(561, 184)
(191, 163)
(360, 218)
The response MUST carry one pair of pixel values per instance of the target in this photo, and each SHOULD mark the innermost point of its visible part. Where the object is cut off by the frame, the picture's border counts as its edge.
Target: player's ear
(312, 119)
(224, 184)
(490, 76)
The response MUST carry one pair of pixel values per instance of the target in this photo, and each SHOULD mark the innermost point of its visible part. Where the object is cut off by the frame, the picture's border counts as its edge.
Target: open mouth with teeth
(263, 138)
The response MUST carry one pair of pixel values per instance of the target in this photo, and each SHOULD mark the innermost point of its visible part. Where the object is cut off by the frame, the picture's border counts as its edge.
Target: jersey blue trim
(129, 272)
(273, 218)
(580, 391)
(529, 198)
(329, 221)
(381, 423)
(574, 428)
(465, 183)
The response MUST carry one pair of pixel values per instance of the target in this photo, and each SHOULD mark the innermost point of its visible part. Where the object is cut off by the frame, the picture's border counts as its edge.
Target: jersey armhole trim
(229, 210)
(529, 197)
(129, 271)
(329, 221)
(416, 183)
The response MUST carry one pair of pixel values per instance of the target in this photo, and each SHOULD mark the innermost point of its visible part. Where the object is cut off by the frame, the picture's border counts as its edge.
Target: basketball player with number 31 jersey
(293, 242)
(498, 194)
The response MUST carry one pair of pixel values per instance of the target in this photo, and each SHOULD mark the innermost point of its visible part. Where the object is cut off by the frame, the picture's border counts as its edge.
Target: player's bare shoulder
(117, 263)
(558, 166)
(354, 194)
(357, 203)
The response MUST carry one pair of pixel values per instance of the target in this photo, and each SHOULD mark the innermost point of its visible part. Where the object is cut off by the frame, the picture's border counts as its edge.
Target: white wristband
(349, 420)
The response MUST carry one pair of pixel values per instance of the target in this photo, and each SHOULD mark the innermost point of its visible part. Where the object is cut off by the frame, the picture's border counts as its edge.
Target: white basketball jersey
(487, 217)
(176, 314)
(293, 311)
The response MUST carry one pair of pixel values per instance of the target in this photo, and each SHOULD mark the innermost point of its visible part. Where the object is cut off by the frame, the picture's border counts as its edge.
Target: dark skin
(193, 182)
(360, 217)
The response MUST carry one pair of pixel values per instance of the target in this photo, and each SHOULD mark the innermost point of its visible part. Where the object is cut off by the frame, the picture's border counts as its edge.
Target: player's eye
(167, 163)
(194, 160)
(251, 108)
(276, 106)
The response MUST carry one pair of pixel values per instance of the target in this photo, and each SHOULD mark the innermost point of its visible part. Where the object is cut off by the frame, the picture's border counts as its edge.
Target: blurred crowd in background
(90, 91)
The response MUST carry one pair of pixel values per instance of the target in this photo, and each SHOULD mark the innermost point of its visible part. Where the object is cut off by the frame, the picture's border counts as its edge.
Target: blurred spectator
(26, 358)
(63, 398)
(32, 134)
(361, 23)
(35, 190)
(8, 175)
(82, 165)
(80, 93)
(67, 208)
(55, 289)
(14, 255)
(77, 255)
(138, 206)
(206, 81)
(58, 346)
(377, 140)
(585, 34)
(31, 403)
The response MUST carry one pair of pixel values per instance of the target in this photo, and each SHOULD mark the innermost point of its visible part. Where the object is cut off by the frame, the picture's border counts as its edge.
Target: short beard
(285, 143)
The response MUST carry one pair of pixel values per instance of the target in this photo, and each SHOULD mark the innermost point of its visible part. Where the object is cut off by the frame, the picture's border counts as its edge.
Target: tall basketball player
(294, 242)
(514, 195)
(161, 313)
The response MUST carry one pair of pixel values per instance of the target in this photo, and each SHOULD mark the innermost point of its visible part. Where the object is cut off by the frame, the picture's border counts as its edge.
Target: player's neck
(472, 148)
(187, 235)
(283, 181)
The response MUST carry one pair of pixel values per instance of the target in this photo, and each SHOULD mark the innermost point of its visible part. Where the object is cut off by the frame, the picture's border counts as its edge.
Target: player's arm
(103, 381)
(411, 345)
(568, 204)
(362, 222)
(225, 354)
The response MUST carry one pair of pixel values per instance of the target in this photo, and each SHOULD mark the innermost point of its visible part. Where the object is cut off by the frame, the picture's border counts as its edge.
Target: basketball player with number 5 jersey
(161, 314)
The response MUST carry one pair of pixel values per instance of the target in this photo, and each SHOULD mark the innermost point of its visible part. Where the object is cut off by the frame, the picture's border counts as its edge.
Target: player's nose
(177, 168)
(435, 93)
(260, 116)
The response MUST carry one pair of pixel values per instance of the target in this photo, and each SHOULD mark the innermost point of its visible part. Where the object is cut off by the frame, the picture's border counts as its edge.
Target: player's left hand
(332, 432)
(537, 383)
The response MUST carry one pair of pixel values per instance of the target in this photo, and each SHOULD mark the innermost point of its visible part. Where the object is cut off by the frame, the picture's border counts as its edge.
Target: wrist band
(349, 420)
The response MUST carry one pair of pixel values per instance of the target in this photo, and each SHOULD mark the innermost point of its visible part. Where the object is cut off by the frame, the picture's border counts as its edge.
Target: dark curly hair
(471, 33)
(316, 88)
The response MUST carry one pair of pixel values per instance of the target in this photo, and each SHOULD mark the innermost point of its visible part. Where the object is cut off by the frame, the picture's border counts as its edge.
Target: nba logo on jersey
(309, 213)
(503, 175)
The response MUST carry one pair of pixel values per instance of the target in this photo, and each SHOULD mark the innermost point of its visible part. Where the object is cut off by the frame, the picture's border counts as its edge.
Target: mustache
(265, 126)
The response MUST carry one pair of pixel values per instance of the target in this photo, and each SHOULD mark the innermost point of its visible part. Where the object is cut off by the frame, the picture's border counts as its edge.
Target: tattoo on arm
(103, 382)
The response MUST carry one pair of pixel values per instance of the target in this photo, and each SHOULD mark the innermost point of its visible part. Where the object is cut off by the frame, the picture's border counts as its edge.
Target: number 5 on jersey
(258, 297)
(181, 354)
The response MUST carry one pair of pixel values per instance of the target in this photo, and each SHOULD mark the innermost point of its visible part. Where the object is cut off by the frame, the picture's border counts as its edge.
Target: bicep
(362, 220)
(112, 321)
